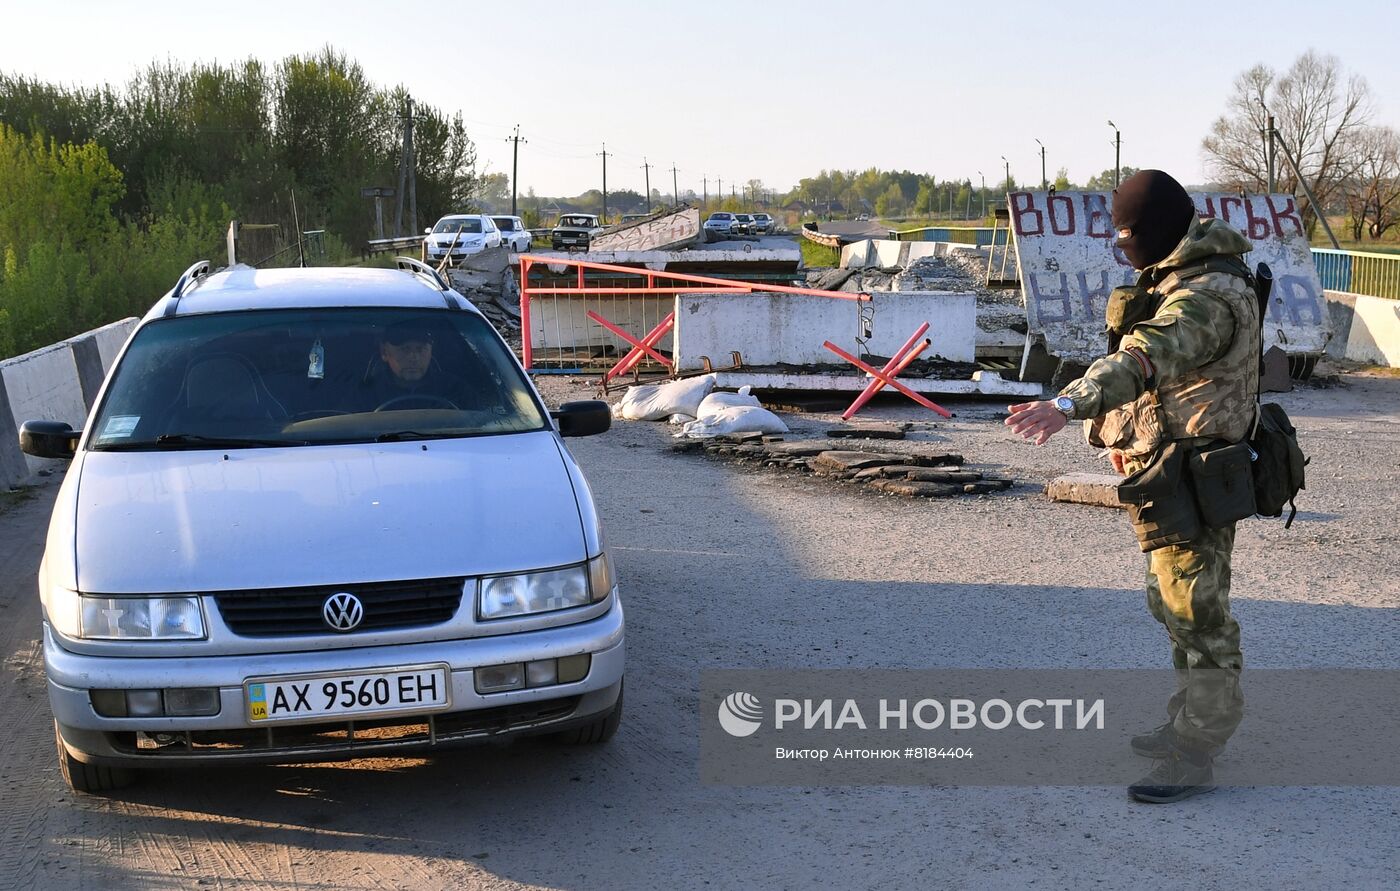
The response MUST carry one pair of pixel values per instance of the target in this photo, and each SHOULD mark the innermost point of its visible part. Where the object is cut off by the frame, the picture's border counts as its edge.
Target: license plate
(419, 688)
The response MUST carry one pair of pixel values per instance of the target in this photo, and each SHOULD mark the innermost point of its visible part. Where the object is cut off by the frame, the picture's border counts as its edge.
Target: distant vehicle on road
(514, 235)
(574, 231)
(743, 223)
(721, 223)
(460, 234)
(324, 514)
(864, 218)
(762, 223)
(634, 217)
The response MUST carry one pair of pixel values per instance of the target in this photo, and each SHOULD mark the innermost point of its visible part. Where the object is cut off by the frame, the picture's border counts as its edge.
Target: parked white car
(762, 223)
(460, 234)
(317, 514)
(514, 235)
(721, 223)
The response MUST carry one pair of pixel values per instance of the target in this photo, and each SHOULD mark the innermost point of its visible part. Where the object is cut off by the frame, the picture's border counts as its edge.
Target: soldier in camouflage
(1189, 374)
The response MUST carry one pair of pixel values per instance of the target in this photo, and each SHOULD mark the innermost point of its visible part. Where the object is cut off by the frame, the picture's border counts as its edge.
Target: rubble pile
(487, 281)
(938, 475)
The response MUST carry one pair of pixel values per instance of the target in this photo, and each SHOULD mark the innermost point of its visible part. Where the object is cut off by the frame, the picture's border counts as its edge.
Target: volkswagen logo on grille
(343, 611)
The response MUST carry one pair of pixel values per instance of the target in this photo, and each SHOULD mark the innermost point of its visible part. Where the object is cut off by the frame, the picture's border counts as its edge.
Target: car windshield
(505, 224)
(762, 216)
(294, 377)
(719, 216)
(584, 222)
(742, 216)
(468, 225)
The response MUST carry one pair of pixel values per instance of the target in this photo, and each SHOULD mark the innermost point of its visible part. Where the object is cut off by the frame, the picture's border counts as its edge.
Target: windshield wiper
(195, 440)
(406, 435)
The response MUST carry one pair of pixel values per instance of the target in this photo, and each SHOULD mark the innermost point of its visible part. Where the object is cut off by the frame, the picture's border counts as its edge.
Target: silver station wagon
(319, 513)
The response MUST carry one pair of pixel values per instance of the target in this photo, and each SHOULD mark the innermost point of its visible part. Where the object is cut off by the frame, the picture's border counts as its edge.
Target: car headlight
(141, 618)
(503, 596)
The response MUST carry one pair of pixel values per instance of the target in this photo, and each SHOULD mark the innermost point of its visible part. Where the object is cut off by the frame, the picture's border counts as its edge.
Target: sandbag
(717, 402)
(735, 419)
(657, 402)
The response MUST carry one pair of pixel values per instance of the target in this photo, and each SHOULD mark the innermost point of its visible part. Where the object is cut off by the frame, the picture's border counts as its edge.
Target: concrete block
(1374, 336)
(1099, 489)
(773, 329)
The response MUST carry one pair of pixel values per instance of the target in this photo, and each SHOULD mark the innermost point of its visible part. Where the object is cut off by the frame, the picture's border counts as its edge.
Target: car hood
(445, 240)
(250, 518)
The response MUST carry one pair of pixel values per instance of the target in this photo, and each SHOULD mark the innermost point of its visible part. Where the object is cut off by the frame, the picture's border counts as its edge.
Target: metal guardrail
(821, 238)
(1358, 272)
(390, 245)
(978, 235)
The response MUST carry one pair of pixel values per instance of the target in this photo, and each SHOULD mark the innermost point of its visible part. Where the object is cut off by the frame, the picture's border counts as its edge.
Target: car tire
(597, 731)
(93, 779)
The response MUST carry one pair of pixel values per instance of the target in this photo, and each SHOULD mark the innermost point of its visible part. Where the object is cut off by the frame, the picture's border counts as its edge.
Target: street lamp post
(1044, 183)
(984, 195)
(1117, 152)
(1008, 172)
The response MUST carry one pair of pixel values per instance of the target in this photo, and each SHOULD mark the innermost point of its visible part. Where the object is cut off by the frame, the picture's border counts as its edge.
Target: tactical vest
(1214, 401)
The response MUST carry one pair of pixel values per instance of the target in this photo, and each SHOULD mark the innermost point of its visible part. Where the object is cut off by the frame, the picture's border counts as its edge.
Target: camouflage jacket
(1203, 344)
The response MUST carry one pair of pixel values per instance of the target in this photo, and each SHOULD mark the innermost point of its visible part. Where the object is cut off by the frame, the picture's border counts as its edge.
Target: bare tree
(1318, 112)
(1373, 192)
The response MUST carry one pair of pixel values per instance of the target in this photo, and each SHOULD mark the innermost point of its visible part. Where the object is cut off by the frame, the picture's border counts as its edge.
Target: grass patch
(814, 254)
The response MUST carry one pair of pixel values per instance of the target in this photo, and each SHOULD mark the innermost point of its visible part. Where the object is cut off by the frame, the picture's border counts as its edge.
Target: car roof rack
(187, 281)
(413, 264)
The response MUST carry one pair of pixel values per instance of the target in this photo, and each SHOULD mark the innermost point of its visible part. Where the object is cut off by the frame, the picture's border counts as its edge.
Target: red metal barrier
(886, 378)
(898, 362)
(678, 283)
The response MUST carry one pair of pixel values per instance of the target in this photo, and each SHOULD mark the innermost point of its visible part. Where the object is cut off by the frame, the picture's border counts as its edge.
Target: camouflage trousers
(1188, 591)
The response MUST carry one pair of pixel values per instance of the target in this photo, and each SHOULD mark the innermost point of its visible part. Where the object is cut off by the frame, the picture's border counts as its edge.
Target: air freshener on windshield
(316, 366)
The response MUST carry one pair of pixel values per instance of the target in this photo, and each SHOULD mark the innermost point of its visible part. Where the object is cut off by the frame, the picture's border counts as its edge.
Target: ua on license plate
(311, 697)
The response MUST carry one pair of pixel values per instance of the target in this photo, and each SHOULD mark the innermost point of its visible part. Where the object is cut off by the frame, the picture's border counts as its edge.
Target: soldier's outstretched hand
(1037, 421)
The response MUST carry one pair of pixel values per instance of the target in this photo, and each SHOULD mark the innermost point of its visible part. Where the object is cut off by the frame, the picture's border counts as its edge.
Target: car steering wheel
(427, 398)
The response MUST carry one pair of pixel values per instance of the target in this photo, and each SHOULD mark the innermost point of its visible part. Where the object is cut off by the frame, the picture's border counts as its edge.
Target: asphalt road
(732, 567)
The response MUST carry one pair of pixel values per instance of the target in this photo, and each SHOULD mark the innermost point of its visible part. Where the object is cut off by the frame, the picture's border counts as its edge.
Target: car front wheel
(94, 778)
(597, 731)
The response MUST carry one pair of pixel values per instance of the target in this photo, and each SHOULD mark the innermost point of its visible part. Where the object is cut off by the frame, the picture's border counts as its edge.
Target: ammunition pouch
(1222, 477)
(1159, 501)
(1127, 305)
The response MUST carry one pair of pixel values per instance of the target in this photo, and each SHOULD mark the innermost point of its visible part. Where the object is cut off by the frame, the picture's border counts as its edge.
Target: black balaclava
(1156, 212)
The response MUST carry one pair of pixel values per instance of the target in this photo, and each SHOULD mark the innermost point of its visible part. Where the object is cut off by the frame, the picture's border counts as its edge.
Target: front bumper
(228, 735)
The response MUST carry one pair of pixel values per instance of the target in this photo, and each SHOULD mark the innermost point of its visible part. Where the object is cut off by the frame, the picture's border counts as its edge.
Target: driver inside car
(407, 376)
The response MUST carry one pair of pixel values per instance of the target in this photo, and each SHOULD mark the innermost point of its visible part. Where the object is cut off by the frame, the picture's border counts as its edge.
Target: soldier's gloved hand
(1037, 421)
(1115, 458)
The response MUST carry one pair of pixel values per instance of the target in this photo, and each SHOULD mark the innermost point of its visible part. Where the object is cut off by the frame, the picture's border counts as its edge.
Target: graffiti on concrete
(1069, 264)
(662, 233)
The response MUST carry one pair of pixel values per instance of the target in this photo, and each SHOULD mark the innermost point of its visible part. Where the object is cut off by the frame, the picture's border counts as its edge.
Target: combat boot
(1179, 775)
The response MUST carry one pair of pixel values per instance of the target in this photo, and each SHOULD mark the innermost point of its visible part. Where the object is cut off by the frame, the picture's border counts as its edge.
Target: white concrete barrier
(54, 383)
(774, 329)
(1367, 328)
(887, 252)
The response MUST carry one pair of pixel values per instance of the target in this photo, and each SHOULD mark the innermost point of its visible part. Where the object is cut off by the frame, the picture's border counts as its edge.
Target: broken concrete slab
(844, 461)
(927, 475)
(924, 490)
(1086, 488)
(867, 432)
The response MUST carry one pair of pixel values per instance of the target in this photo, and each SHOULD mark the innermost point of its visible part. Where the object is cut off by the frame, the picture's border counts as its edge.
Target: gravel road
(724, 566)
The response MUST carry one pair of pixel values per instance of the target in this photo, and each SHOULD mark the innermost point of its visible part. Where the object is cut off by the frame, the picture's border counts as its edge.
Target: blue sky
(772, 91)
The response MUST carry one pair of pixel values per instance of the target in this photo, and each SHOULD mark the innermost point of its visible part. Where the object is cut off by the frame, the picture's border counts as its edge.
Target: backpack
(1278, 460)
(1278, 463)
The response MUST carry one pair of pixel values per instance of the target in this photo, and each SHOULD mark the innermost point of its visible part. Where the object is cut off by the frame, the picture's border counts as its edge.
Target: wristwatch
(1064, 405)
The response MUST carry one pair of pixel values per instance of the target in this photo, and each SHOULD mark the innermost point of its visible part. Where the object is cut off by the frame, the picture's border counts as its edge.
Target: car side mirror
(584, 418)
(48, 439)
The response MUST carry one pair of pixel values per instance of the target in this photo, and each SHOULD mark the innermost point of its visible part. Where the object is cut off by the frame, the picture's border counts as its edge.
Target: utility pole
(1270, 151)
(705, 191)
(984, 195)
(719, 189)
(1044, 183)
(646, 167)
(408, 180)
(675, 189)
(514, 166)
(1008, 173)
(1117, 153)
(605, 184)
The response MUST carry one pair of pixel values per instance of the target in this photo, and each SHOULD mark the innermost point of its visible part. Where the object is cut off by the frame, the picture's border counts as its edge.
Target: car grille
(348, 737)
(278, 612)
